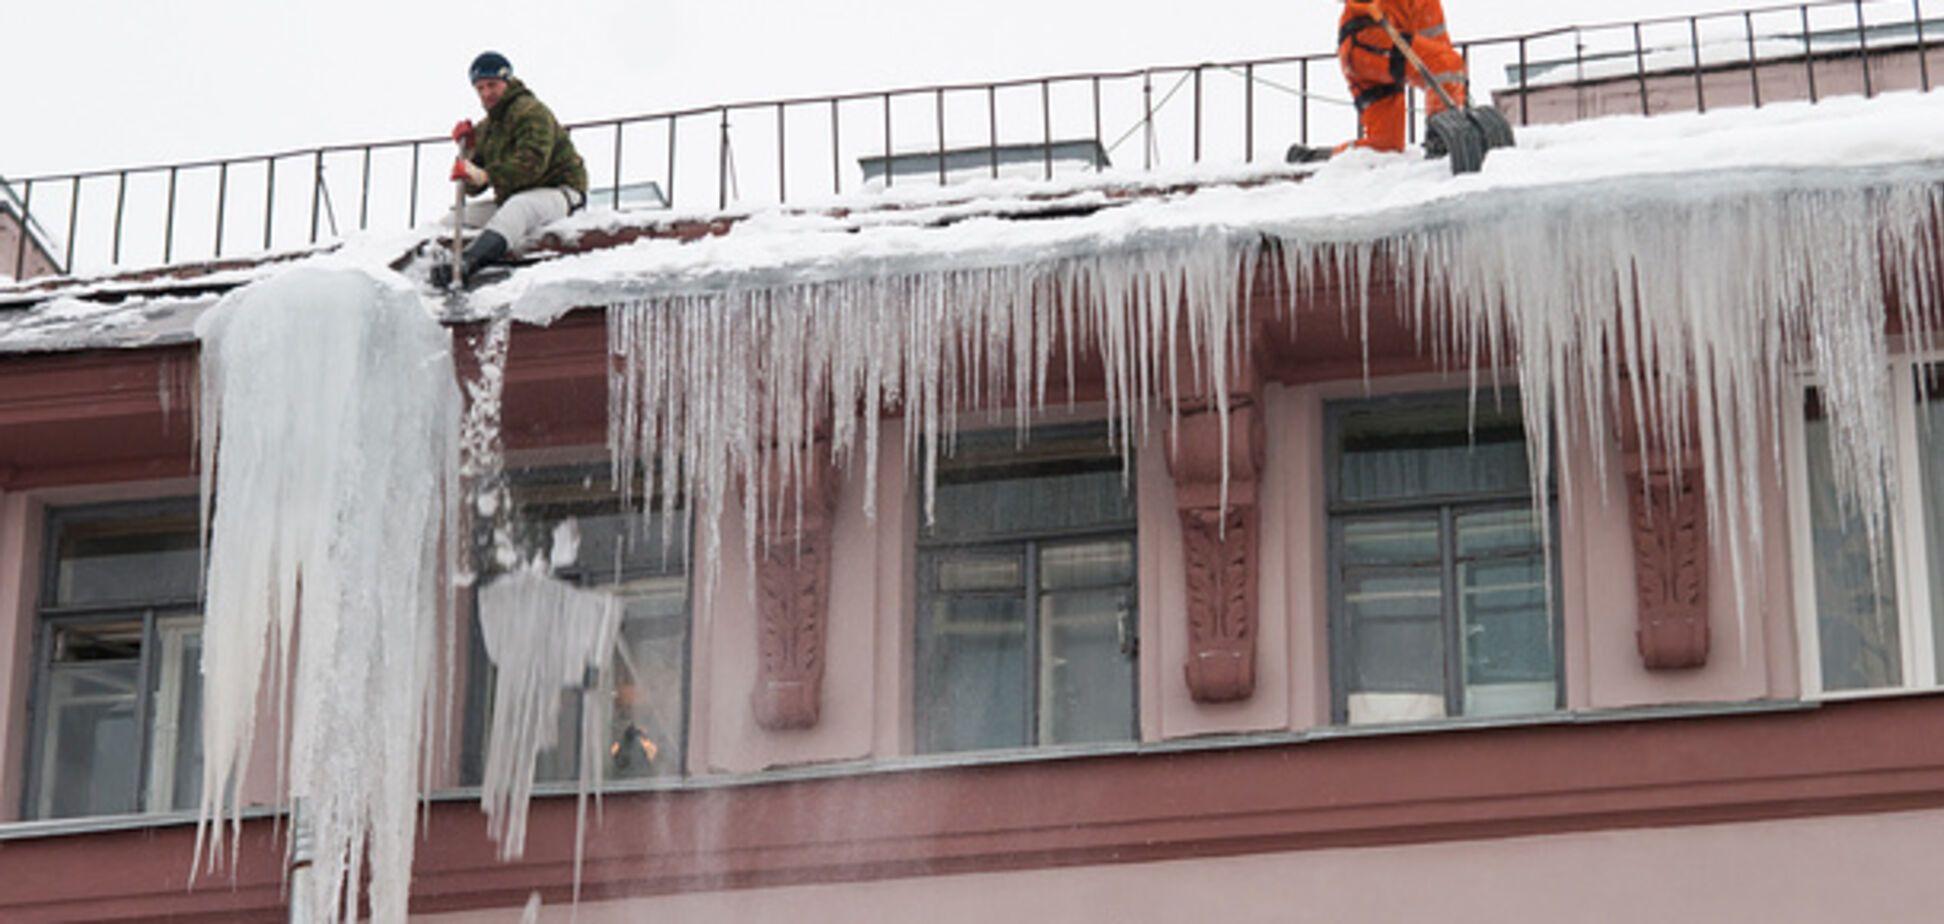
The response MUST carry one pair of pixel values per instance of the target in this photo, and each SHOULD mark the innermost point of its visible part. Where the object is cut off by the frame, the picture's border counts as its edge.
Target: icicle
(543, 636)
(330, 433)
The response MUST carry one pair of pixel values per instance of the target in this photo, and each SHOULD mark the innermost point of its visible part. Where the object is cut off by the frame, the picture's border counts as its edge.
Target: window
(1872, 617)
(1440, 602)
(617, 550)
(118, 688)
(1026, 611)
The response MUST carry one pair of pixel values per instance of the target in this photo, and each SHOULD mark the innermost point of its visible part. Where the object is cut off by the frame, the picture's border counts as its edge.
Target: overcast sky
(108, 83)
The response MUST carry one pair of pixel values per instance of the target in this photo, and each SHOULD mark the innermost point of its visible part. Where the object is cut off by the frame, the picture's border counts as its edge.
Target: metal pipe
(992, 130)
(317, 191)
(26, 228)
(938, 110)
(1809, 53)
(1147, 120)
(1525, 86)
(722, 164)
(411, 212)
(614, 196)
(889, 173)
(74, 224)
(1099, 153)
(1046, 120)
(1923, 50)
(222, 202)
(782, 158)
(1248, 114)
(269, 199)
(303, 853)
(1198, 114)
(364, 192)
(671, 161)
(836, 152)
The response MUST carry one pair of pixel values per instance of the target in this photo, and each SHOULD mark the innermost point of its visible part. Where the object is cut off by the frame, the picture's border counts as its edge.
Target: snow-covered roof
(607, 257)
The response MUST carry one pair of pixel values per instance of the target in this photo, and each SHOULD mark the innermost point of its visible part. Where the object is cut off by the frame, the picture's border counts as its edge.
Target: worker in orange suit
(1378, 72)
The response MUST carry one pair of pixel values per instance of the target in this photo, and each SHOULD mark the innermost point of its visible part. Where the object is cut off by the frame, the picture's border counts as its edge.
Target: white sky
(107, 83)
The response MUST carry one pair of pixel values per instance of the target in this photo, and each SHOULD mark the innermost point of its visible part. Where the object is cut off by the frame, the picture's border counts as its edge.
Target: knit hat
(490, 65)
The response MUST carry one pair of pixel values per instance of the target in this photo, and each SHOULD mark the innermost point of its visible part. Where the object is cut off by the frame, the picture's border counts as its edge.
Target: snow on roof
(1357, 197)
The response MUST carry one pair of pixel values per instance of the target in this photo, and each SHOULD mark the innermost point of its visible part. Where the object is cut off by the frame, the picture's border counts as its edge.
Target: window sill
(30, 830)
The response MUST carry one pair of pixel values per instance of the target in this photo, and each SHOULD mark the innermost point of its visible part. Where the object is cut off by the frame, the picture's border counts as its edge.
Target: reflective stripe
(1377, 94)
(1457, 77)
(1433, 32)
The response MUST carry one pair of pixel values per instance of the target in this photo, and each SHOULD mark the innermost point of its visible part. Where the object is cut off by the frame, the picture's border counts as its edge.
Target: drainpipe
(301, 855)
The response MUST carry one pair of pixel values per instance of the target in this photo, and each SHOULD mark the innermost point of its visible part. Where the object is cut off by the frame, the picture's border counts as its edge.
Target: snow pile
(543, 636)
(330, 443)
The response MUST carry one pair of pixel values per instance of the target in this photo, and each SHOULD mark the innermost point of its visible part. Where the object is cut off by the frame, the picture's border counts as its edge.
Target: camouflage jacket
(522, 147)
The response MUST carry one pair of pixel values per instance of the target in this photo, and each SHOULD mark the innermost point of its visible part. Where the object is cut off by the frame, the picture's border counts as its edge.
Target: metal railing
(809, 147)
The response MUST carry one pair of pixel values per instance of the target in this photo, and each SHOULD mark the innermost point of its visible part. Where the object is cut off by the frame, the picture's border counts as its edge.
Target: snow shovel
(1466, 133)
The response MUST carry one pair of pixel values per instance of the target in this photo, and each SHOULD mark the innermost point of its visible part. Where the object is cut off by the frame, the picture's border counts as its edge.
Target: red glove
(463, 169)
(463, 132)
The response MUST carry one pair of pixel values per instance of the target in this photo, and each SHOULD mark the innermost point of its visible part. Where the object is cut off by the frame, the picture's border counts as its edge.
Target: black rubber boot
(485, 249)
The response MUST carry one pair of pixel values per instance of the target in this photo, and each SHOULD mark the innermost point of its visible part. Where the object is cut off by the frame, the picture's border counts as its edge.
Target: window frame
(50, 618)
(1909, 544)
(1338, 513)
(1028, 545)
(477, 695)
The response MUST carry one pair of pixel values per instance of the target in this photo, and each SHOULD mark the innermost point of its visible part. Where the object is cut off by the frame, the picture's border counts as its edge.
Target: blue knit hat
(491, 65)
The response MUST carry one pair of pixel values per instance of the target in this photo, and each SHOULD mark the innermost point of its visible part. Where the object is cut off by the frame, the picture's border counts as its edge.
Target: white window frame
(1909, 546)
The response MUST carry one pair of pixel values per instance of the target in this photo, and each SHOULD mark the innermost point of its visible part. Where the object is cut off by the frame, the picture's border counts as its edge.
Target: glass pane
(1856, 605)
(91, 749)
(176, 727)
(1491, 532)
(973, 571)
(1508, 637)
(1031, 502)
(1930, 437)
(1090, 564)
(110, 557)
(1087, 668)
(1397, 637)
(645, 723)
(1404, 540)
(1443, 446)
(972, 686)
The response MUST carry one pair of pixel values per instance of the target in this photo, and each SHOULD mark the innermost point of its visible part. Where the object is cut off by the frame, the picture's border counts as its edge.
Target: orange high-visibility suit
(1377, 71)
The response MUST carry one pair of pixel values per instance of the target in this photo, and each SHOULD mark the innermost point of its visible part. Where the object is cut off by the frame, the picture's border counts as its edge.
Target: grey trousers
(520, 219)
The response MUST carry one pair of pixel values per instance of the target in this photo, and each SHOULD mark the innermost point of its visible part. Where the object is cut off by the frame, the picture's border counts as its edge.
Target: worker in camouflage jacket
(521, 153)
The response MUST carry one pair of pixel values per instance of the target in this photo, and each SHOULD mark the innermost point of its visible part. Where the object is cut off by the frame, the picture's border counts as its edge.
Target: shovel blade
(1452, 132)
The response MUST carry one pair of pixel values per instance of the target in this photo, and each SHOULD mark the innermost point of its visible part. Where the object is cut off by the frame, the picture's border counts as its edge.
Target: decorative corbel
(793, 594)
(1670, 544)
(1219, 542)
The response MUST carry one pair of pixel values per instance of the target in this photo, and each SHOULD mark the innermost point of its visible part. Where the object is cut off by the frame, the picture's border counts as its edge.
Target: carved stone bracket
(1670, 545)
(793, 597)
(1219, 543)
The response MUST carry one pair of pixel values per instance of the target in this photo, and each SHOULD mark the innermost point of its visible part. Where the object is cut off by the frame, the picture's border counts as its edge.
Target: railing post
(938, 110)
(411, 212)
(890, 164)
(1809, 53)
(722, 164)
(1640, 67)
(121, 202)
(1694, 40)
(672, 123)
(222, 202)
(1147, 120)
(1099, 152)
(1923, 50)
(74, 222)
(1248, 113)
(168, 223)
(317, 190)
(1525, 87)
(614, 196)
(1046, 122)
(1754, 63)
(1863, 49)
(364, 191)
(26, 228)
(992, 129)
(782, 158)
(1303, 84)
(836, 151)
(269, 198)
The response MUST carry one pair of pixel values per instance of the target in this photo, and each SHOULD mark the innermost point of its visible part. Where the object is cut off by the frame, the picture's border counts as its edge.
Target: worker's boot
(1304, 154)
(485, 249)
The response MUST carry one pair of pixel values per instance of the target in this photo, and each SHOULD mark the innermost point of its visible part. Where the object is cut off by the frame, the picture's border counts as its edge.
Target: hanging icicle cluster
(1699, 296)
